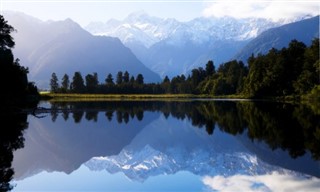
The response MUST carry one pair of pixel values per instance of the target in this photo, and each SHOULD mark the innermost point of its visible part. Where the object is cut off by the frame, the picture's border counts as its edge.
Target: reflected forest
(10, 140)
(290, 127)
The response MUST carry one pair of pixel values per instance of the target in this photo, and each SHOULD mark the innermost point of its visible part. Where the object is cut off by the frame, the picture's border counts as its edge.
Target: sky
(86, 11)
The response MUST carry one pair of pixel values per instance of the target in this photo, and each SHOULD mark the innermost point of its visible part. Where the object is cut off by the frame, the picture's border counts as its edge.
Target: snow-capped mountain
(148, 30)
(168, 146)
(136, 27)
(170, 47)
(140, 165)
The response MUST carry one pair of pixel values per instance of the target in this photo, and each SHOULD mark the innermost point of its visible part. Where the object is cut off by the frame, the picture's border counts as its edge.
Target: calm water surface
(167, 146)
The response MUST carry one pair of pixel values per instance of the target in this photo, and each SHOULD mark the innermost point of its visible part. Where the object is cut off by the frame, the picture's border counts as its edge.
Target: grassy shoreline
(100, 97)
(108, 97)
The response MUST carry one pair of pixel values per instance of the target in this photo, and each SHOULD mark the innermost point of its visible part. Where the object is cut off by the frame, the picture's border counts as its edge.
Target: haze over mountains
(279, 37)
(170, 47)
(64, 47)
(56, 146)
(152, 46)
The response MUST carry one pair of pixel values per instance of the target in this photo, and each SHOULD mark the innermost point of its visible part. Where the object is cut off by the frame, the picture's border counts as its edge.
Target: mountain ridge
(279, 37)
(170, 47)
(64, 47)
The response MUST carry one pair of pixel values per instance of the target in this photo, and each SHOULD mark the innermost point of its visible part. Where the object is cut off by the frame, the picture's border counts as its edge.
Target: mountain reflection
(294, 128)
(150, 138)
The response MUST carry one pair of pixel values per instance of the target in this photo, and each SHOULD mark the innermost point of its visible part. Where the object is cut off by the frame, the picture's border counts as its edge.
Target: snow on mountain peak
(140, 27)
(140, 165)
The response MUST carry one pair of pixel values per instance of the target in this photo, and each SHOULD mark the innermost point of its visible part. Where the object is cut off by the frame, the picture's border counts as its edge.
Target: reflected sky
(274, 181)
(86, 180)
(159, 152)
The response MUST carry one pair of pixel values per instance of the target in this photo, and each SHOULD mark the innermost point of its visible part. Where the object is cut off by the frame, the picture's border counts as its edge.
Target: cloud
(269, 182)
(272, 9)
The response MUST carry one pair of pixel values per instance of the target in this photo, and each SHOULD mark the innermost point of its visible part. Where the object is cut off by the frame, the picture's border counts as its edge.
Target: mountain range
(305, 31)
(64, 47)
(141, 43)
(170, 47)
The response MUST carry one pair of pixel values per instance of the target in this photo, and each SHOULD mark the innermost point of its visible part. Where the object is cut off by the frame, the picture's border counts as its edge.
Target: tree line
(293, 70)
(126, 83)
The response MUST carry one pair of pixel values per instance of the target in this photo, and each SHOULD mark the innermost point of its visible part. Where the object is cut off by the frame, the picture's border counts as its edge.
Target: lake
(182, 145)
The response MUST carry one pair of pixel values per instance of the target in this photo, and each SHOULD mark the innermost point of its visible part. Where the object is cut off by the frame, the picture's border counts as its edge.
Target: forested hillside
(293, 70)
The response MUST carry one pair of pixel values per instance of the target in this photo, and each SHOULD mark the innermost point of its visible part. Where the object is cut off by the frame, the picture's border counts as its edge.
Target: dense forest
(293, 70)
(16, 89)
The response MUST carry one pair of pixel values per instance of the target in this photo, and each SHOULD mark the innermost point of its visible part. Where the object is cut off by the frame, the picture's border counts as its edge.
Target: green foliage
(227, 80)
(314, 94)
(289, 71)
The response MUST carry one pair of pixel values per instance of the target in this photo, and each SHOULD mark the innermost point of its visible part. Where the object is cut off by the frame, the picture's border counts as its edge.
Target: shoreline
(77, 96)
(61, 97)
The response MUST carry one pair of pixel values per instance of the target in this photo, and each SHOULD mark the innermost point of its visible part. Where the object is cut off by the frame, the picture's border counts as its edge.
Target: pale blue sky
(85, 11)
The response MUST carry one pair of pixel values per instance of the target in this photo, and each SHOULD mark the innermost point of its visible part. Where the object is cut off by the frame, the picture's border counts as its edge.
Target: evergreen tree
(132, 80)
(139, 79)
(166, 79)
(210, 69)
(65, 83)
(126, 77)
(77, 84)
(92, 82)
(109, 80)
(54, 85)
(166, 84)
(119, 78)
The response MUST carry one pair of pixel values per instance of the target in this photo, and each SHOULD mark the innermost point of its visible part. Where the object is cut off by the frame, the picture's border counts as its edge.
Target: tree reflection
(65, 113)
(92, 115)
(77, 116)
(295, 128)
(109, 115)
(289, 127)
(11, 139)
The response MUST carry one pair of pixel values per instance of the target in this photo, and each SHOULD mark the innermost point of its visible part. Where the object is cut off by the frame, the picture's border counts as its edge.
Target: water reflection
(273, 181)
(295, 128)
(11, 139)
(219, 140)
